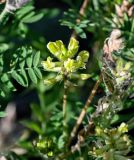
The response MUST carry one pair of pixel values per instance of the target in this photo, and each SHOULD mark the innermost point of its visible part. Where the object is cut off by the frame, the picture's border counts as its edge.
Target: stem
(83, 133)
(84, 110)
(65, 107)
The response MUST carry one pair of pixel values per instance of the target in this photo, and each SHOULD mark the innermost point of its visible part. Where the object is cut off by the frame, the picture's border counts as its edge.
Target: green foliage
(28, 15)
(22, 66)
(2, 114)
(45, 146)
(24, 16)
(69, 19)
(28, 34)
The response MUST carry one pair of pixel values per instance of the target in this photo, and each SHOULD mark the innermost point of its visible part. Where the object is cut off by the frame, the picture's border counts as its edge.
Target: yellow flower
(123, 128)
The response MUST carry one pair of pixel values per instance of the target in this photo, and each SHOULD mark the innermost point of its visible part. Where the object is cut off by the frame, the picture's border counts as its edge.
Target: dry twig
(84, 110)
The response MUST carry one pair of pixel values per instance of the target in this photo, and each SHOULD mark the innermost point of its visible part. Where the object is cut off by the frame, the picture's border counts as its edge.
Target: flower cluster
(66, 64)
(122, 74)
(45, 145)
(113, 144)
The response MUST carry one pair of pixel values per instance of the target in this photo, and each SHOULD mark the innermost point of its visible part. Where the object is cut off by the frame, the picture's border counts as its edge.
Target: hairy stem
(65, 107)
(84, 110)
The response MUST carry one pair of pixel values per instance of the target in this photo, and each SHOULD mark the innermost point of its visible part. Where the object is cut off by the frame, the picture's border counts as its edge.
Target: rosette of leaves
(67, 65)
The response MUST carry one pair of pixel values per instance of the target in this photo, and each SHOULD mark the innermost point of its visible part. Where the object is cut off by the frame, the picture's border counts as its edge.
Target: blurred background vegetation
(38, 107)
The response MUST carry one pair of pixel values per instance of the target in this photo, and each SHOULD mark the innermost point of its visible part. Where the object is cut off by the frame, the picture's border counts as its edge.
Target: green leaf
(3, 47)
(2, 94)
(61, 142)
(18, 78)
(36, 59)
(7, 84)
(33, 126)
(24, 11)
(22, 53)
(24, 75)
(29, 58)
(120, 157)
(14, 60)
(32, 75)
(26, 18)
(37, 112)
(4, 78)
(2, 114)
(10, 86)
(38, 73)
(80, 32)
(34, 18)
